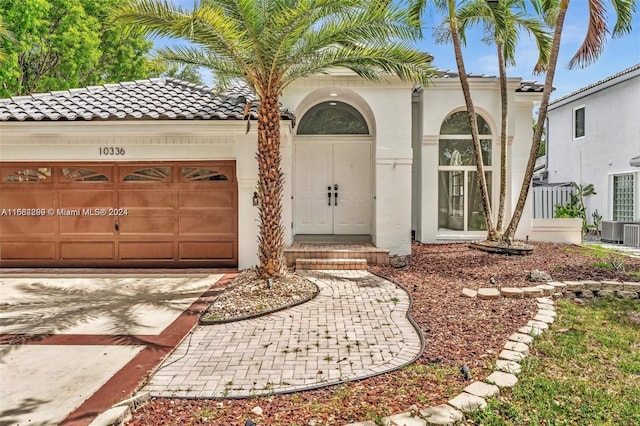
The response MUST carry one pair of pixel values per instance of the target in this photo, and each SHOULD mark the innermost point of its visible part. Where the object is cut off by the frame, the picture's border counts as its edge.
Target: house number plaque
(111, 150)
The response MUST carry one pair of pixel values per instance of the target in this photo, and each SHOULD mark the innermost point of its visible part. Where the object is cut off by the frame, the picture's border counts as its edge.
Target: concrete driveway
(71, 346)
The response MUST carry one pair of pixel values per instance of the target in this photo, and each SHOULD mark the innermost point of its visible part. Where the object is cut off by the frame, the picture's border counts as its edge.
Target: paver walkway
(356, 327)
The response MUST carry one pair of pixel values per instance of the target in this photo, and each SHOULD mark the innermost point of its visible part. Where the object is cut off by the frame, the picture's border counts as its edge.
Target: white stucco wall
(445, 97)
(612, 138)
(387, 108)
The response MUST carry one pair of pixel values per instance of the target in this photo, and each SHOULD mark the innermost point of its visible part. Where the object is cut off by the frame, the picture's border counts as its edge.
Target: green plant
(584, 371)
(597, 219)
(576, 207)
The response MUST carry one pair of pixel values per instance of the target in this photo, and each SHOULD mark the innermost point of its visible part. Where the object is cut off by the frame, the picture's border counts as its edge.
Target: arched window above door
(333, 118)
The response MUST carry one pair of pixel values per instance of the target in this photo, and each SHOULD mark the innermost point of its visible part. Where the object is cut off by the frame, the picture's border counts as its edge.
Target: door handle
(335, 195)
(116, 226)
(329, 194)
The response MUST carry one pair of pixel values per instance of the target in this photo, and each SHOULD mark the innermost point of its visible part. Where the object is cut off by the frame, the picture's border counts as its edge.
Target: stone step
(373, 255)
(330, 264)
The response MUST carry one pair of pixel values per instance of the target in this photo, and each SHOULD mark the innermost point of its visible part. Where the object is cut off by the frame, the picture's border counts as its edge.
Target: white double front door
(332, 190)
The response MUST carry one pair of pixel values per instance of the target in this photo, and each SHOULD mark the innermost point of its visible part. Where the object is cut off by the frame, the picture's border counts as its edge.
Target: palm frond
(503, 24)
(595, 38)
(624, 10)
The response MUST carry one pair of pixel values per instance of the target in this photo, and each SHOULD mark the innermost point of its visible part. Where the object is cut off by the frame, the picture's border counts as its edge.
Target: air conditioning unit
(612, 231)
(631, 235)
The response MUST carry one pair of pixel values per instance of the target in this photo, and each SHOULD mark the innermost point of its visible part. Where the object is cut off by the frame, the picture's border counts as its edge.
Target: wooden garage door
(179, 214)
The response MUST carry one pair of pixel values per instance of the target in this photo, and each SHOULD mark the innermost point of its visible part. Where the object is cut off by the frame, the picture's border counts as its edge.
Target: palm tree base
(502, 247)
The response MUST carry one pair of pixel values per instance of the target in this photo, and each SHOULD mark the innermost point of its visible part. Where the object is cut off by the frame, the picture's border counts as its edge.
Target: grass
(606, 258)
(585, 371)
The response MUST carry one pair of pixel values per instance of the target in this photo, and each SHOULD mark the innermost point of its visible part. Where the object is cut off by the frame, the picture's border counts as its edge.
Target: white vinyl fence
(545, 199)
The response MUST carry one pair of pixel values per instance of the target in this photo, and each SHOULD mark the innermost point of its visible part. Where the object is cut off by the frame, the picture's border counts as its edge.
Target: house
(594, 138)
(163, 173)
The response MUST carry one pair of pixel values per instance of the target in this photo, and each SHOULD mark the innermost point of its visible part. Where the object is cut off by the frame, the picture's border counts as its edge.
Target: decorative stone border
(203, 321)
(474, 396)
(507, 367)
(559, 290)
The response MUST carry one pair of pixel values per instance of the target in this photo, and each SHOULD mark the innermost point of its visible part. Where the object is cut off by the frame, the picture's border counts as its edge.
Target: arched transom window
(459, 200)
(333, 118)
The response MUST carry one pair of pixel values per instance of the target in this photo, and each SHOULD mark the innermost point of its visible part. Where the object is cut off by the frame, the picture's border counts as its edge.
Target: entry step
(330, 264)
(373, 255)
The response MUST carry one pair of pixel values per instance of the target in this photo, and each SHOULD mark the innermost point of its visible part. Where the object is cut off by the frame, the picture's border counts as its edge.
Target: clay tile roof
(153, 99)
(525, 86)
(530, 86)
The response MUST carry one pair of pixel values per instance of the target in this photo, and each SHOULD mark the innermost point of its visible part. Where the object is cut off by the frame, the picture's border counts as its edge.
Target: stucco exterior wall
(387, 108)
(612, 138)
(445, 97)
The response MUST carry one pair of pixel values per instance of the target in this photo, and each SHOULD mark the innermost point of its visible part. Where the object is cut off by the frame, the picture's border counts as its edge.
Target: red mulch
(458, 331)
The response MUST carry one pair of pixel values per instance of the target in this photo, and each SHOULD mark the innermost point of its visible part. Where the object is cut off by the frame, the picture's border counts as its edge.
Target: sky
(619, 53)
(480, 58)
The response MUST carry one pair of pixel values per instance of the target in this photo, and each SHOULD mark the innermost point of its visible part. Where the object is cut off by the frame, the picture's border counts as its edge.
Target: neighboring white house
(161, 172)
(593, 135)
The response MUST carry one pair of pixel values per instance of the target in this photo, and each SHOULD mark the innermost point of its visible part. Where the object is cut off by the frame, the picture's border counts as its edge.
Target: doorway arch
(333, 170)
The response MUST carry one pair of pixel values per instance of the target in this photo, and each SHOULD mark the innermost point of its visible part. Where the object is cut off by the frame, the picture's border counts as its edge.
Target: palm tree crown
(271, 43)
(505, 21)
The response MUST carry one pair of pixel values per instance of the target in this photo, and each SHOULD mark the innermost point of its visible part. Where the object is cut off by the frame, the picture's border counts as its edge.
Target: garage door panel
(87, 250)
(27, 197)
(148, 199)
(89, 226)
(156, 225)
(32, 226)
(28, 250)
(207, 199)
(212, 225)
(146, 250)
(88, 197)
(207, 250)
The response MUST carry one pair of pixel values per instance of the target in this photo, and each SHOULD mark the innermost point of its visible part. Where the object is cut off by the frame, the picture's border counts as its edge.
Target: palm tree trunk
(477, 150)
(270, 186)
(542, 117)
(503, 136)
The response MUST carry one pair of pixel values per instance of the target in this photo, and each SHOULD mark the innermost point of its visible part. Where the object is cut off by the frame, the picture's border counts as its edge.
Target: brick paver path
(356, 327)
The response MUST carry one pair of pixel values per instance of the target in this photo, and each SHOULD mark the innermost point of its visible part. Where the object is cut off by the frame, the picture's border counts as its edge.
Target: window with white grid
(623, 193)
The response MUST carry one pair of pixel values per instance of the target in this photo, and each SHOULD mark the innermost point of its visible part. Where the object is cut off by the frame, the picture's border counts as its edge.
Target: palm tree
(588, 52)
(269, 44)
(448, 8)
(503, 21)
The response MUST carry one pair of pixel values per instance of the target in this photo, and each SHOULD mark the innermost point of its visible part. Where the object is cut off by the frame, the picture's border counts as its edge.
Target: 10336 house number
(111, 150)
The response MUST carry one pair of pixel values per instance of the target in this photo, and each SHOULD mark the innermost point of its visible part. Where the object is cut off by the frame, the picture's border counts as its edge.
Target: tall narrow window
(578, 122)
(459, 200)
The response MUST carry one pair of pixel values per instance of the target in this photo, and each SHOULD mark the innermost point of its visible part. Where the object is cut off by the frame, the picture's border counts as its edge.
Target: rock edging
(561, 290)
(203, 321)
(516, 349)
(475, 395)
